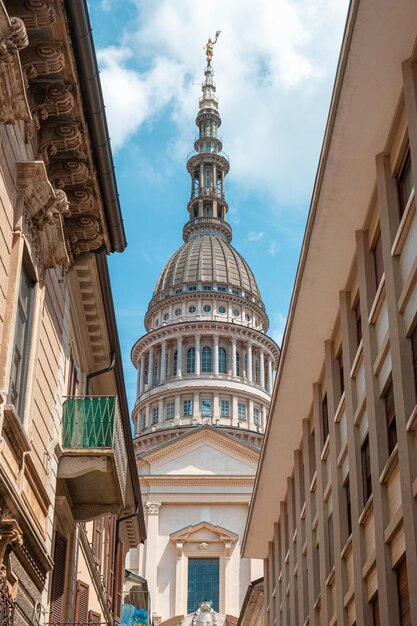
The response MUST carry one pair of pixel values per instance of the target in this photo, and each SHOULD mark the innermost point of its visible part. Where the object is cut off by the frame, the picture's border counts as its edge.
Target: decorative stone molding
(83, 234)
(68, 172)
(43, 59)
(81, 201)
(55, 138)
(36, 14)
(51, 100)
(44, 210)
(192, 536)
(153, 508)
(11, 538)
(13, 37)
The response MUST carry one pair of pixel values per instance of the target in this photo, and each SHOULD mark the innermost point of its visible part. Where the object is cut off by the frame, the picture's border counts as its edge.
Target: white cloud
(277, 328)
(273, 248)
(255, 236)
(272, 62)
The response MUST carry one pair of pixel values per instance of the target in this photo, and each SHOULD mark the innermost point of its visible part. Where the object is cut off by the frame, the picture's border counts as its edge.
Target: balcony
(94, 458)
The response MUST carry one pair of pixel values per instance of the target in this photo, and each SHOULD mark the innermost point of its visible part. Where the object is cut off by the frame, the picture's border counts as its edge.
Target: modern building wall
(70, 505)
(334, 512)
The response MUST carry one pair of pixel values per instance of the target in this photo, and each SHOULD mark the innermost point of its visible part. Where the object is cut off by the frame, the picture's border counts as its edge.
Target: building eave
(365, 98)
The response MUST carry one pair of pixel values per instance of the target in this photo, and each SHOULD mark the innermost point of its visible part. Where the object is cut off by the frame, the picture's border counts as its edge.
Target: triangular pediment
(203, 451)
(203, 532)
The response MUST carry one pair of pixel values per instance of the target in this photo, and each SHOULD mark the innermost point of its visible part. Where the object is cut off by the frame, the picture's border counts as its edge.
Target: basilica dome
(207, 260)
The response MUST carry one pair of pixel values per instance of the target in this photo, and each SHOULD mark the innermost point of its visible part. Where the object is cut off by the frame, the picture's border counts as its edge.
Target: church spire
(208, 165)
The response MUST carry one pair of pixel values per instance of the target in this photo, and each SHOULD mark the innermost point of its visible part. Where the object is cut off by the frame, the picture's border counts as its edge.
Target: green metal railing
(89, 422)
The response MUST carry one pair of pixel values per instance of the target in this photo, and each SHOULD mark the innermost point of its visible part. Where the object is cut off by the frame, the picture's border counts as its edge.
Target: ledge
(412, 420)
(342, 454)
(348, 598)
(378, 301)
(366, 510)
(325, 449)
(404, 225)
(357, 360)
(389, 465)
(340, 407)
(359, 410)
(393, 525)
(15, 432)
(382, 353)
(368, 565)
(330, 577)
(346, 547)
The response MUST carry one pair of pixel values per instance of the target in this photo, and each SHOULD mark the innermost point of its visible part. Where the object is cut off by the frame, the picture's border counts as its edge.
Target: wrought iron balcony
(94, 459)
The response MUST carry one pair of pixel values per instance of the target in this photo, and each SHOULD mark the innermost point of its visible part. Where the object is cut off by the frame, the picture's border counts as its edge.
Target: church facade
(205, 374)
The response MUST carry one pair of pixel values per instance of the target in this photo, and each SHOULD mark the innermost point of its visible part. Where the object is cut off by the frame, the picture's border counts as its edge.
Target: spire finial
(209, 47)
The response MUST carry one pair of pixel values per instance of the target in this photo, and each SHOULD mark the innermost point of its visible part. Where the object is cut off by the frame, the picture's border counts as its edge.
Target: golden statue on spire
(209, 47)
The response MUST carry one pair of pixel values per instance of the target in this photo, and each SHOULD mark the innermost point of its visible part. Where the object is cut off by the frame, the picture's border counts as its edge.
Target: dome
(207, 259)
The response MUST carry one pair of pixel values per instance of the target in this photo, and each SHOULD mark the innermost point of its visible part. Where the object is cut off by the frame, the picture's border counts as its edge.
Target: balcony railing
(91, 430)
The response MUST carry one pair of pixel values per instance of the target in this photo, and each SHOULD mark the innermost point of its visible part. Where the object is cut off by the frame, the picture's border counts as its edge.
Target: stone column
(216, 354)
(142, 374)
(179, 357)
(151, 565)
(234, 356)
(163, 375)
(161, 415)
(178, 407)
(269, 389)
(262, 369)
(138, 374)
(196, 405)
(249, 371)
(197, 355)
(150, 368)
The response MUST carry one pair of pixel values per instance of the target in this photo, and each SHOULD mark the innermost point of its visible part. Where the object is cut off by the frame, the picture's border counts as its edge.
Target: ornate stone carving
(44, 209)
(36, 14)
(54, 138)
(51, 100)
(11, 537)
(44, 59)
(203, 546)
(68, 172)
(153, 508)
(205, 615)
(13, 37)
(83, 234)
(81, 201)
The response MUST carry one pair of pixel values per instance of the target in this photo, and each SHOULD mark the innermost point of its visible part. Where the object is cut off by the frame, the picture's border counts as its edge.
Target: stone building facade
(334, 510)
(70, 504)
(205, 374)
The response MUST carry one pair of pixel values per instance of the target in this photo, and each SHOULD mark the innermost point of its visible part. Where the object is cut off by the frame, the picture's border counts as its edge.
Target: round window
(235, 312)
(192, 309)
(166, 316)
(247, 317)
(222, 309)
(177, 311)
(206, 308)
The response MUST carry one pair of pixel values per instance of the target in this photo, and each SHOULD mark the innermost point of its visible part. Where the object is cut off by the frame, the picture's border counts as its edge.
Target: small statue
(209, 47)
(205, 615)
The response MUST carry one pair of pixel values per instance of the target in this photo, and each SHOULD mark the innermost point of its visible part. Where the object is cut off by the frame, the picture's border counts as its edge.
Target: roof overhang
(379, 36)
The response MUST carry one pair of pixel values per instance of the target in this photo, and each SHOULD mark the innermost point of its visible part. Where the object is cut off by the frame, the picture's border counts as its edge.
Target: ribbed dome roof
(207, 259)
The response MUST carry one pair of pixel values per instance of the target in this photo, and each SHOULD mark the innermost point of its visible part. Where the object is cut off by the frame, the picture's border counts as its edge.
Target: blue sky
(274, 65)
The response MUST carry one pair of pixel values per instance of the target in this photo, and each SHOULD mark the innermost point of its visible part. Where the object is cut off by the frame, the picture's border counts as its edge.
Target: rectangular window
(341, 373)
(348, 506)
(155, 415)
(170, 410)
(187, 408)
(405, 183)
(366, 470)
(206, 407)
(192, 288)
(255, 415)
(414, 351)
(22, 343)
(330, 542)
(207, 288)
(72, 376)
(325, 418)
(390, 417)
(203, 583)
(224, 408)
(241, 410)
(221, 288)
(378, 261)
(358, 321)
(375, 611)
(403, 594)
(143, 421)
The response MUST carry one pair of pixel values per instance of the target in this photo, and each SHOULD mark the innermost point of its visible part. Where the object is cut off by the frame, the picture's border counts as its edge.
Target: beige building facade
(205, 375)
(70, 504)
(334, 507)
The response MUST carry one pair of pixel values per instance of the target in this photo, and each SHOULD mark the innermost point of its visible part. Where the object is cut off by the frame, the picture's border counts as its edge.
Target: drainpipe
(109, 368)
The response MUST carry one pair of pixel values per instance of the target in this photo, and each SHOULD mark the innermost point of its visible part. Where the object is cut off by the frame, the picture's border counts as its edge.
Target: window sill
(330, 577)
(346, 547)
(366, 510)
(389, 465)
(14, 431)
(313, 482)
(325, 450)
(357, 360)
(412, 421)
(340, 407)
(404, 226)
(368, 565)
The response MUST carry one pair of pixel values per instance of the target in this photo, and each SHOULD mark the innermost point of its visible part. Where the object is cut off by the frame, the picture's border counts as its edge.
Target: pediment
(201, 452)
(203, 532)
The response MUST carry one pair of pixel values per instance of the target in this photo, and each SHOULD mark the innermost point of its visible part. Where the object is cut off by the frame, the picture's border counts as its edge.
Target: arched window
(222, 360)
(155, 372)
(191, 361)
(237, 364)
(206, 361)
(175, 363)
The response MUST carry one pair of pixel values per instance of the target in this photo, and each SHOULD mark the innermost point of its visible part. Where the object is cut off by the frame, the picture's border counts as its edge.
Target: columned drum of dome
(205, 370)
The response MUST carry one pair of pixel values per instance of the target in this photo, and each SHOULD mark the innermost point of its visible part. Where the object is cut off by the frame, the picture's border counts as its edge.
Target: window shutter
(81, 603)
(119, 579)
(97, 540)
(404, 597)
(94, 618)
(58, 580)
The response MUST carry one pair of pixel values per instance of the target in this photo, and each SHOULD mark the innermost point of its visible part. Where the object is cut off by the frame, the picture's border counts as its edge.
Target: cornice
(197, 479)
